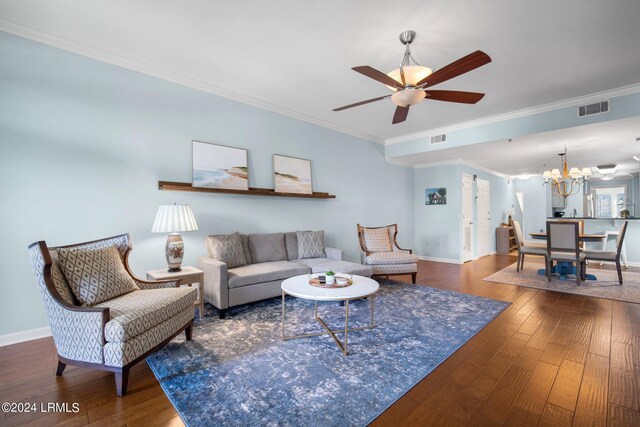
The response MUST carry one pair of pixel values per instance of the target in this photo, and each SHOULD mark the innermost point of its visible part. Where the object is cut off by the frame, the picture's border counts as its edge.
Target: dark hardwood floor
(548, 359)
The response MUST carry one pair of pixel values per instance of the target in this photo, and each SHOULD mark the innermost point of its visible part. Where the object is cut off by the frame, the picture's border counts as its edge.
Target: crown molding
(572, 102)
(54, 40)
(460, 162)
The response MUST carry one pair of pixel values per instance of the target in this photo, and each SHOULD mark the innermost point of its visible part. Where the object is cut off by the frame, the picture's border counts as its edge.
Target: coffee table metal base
(342, 345)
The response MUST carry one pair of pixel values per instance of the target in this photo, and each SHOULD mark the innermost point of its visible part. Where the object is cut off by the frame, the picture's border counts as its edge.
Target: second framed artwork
(292, 175)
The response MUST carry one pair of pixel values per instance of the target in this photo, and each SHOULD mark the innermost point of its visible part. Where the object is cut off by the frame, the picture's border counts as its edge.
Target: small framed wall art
(292, 175)
(219, 166)
(435, 196)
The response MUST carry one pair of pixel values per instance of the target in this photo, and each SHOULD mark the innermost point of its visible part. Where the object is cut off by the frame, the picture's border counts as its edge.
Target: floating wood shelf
(186, 186)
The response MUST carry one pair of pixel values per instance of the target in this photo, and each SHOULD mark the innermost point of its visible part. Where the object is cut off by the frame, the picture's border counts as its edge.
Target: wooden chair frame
(619, 243)
(394, 243)
(121, 373)
(581, 265)
(522, 249)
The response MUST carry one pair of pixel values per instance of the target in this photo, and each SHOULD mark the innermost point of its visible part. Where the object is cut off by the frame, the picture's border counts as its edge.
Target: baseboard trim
(29, 335)
(436, 259)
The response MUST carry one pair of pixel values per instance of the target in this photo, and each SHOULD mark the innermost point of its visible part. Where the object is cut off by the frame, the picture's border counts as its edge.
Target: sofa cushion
(377, 240)
(343, 267)
(227, 249)
(245, 247)
(95, 275)
(322, 265)
(264, 272)
(267, 247)
(311, 262)
(311, 244)
(291, 244)
(136, 312)
(380, 258)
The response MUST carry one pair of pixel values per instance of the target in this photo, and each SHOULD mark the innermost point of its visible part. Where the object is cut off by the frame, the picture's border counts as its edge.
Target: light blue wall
(437, 227)
(83, 145)
(536, 204)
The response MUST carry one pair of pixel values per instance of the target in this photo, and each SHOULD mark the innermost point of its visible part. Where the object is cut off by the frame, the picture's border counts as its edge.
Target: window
(606, 200)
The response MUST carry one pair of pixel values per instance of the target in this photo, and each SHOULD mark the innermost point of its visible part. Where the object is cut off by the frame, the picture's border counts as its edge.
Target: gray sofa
(271, 258)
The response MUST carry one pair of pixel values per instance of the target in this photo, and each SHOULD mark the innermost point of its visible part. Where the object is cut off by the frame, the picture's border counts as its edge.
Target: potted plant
(331, 277)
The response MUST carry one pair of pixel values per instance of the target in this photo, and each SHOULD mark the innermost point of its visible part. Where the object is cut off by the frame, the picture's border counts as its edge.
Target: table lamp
(174, 219)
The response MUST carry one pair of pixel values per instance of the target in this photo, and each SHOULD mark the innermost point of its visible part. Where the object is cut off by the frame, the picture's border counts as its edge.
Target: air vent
(438, 139)
(595, 108)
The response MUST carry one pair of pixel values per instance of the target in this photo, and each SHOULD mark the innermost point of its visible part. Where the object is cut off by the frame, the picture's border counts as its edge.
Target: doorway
(467, 217)
(483, 213)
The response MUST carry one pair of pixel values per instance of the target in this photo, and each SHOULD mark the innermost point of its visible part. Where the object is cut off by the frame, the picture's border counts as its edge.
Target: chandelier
(565, 182)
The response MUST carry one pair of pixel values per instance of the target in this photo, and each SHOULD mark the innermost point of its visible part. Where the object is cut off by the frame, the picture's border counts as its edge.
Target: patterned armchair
(381, 252)
(115, 334)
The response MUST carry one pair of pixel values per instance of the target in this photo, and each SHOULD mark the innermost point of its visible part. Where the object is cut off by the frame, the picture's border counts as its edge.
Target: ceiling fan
(412, 83)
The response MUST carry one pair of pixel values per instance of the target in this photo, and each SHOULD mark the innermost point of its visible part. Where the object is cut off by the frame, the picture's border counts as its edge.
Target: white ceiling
(294, 57)
(587, 146)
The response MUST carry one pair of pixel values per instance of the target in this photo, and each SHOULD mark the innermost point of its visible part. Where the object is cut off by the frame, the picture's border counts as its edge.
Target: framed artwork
(219, 166)
(292, 175)
(435, 196)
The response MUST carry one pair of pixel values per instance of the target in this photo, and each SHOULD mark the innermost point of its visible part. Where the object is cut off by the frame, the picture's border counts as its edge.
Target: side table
(189, 276)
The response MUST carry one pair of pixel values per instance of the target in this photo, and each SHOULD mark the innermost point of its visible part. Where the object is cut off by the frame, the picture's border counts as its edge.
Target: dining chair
(526, 247)
(563, 244)
(613, 256)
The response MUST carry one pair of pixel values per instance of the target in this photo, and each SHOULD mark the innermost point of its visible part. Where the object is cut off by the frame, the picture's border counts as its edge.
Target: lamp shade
(575, 173)
(174, 219)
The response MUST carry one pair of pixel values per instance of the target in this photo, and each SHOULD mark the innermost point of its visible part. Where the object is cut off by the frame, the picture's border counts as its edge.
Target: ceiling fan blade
(361, 103)
(454, 96)
(400, 115)
(374, 74)
(456, 68)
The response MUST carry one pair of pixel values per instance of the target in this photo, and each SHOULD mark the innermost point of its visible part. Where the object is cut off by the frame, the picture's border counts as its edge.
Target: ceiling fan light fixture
(408, 80)
(408, 97)
(412, 75)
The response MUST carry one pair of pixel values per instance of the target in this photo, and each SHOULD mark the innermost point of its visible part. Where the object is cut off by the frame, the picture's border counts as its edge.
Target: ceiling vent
(595, 108)
(438, 139)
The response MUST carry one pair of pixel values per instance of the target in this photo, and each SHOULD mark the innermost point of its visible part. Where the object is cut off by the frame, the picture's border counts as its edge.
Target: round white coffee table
(299, 287)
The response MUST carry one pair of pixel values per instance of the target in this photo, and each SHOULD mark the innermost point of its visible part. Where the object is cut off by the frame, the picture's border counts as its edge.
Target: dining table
(566, 268)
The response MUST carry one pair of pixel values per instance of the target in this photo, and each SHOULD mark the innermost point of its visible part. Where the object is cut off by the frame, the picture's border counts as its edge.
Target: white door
(484, 217)
(467, 217)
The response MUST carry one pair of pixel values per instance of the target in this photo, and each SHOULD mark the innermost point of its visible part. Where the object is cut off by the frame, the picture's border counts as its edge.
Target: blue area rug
(238, 371)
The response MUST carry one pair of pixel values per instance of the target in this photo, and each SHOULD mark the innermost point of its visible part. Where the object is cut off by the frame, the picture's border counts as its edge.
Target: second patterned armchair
(381, 252)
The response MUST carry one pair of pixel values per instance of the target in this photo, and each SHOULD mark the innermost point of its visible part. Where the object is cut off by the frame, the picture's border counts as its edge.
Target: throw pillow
(377, 240)
(267, 247)
(227, 249)
(95, 275)
(310, 244)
